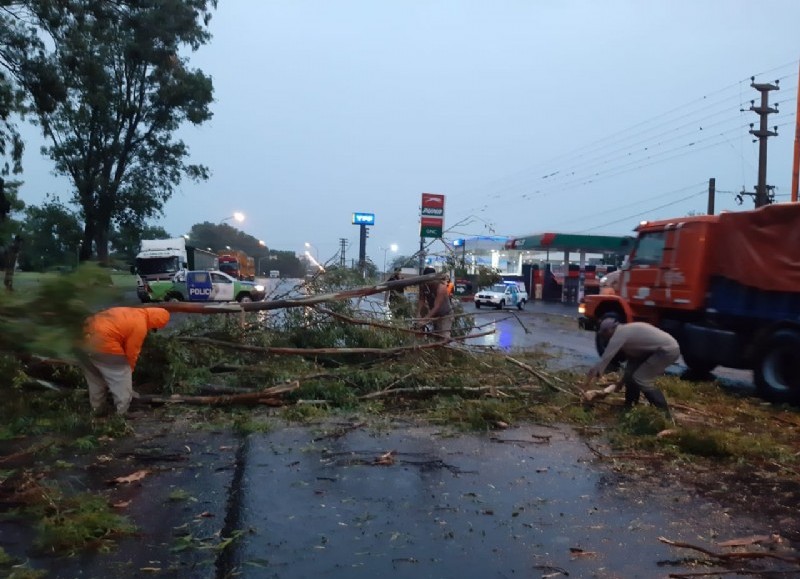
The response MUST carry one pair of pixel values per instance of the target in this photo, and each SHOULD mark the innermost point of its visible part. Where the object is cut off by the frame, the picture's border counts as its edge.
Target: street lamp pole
(393, 247)
(237, 216)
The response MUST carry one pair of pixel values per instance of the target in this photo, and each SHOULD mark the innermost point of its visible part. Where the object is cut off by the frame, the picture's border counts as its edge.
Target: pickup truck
(501, 295)
(204, 286)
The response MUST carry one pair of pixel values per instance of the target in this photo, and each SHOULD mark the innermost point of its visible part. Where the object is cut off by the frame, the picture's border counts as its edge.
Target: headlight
(259, 288)
(581, 309)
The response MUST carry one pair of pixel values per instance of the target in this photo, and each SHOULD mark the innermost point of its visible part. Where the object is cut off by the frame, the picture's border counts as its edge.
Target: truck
(204, 286)
(161, 259)
(501, 295)
(237, 264)
(726, 286)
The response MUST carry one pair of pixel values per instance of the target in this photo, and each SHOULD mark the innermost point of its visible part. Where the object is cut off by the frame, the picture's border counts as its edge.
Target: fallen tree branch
(233, 307)
(327, 351)
(730, 556)
(266, 396)
(541, 376)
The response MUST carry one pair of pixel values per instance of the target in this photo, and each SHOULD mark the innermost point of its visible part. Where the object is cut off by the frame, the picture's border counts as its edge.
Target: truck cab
(727, 287)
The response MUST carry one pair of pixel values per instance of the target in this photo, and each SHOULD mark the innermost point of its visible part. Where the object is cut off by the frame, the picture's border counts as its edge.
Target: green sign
(430, 231)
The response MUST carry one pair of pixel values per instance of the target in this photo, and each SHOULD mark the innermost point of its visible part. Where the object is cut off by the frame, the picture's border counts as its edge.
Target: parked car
(204, 286)
(499, 296)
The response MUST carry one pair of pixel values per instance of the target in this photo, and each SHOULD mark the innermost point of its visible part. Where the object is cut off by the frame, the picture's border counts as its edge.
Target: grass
(29, 280)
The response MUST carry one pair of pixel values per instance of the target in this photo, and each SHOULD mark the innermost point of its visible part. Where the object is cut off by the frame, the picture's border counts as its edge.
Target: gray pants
(106, 373)
(443, 325)
(640, 375)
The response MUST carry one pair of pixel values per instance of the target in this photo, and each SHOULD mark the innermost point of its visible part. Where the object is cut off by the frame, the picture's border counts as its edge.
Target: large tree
(127, 88)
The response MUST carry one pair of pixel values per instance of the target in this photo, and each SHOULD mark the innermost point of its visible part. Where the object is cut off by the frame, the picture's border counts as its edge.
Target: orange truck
(726, 286)
(237, 264)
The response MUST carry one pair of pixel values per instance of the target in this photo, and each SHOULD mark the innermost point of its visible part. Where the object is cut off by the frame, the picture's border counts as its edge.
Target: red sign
(433, 200)
(432, 222)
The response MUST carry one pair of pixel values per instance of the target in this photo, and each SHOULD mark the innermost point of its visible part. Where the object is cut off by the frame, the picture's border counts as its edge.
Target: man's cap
(607, 325)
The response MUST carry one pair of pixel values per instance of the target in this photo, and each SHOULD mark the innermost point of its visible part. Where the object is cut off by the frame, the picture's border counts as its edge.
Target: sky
(530, 116)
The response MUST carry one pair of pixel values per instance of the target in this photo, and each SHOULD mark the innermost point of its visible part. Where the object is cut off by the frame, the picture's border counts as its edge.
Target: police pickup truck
(204, 286)
(501, 295)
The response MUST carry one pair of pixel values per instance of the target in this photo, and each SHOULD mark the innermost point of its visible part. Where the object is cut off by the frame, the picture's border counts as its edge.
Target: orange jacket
(123, 330)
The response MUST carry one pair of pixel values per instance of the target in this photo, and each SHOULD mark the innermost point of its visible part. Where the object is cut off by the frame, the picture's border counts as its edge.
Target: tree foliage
(52, 236)
(125, 89)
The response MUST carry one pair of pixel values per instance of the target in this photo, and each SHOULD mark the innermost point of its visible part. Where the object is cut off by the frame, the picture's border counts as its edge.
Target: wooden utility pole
(796, 158)
(711, 192)
(762, 196)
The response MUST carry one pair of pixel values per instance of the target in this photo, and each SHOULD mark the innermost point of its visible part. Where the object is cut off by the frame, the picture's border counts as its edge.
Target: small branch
(541, 376)
(730, 556)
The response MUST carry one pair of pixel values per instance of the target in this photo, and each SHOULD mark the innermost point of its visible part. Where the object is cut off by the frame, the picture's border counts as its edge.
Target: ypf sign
(432, 215)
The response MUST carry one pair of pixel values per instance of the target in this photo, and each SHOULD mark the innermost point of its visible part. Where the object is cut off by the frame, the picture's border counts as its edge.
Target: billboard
(363, 219)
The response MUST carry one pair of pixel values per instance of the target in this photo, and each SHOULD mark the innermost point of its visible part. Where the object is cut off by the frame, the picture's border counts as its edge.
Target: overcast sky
(529, 116)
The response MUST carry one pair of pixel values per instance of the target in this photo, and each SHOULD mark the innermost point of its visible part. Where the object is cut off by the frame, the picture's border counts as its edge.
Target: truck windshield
(649, 249)
(229, 268)
(157, 265)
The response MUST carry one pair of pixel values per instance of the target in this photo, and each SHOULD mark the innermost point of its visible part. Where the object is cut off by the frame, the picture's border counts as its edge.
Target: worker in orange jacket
(114, 340)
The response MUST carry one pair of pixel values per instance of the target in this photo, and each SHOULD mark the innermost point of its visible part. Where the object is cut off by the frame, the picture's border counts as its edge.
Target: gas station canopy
(572, 243)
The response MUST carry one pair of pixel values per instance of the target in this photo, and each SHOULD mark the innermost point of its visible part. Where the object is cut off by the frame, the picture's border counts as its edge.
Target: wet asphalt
(342, 500)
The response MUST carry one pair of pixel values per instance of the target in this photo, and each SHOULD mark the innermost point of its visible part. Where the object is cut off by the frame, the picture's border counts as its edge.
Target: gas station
(544, 262)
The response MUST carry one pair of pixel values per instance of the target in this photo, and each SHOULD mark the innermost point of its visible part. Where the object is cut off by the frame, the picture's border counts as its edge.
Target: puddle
(456, 506)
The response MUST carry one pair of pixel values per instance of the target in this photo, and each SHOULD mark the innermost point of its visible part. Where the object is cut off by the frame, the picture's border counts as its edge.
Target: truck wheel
(501, 305)
(521, 304)
(244, 298)
(697, 366)
(777, 374)
(174, 298)
(477, 305)
(600, 344)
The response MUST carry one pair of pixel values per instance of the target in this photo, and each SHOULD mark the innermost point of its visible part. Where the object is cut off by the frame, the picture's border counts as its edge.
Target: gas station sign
(432, 215)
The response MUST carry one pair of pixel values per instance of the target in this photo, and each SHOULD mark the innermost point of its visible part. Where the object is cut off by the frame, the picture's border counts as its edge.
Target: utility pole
(342, 249)
(763, 195)
(711, 192)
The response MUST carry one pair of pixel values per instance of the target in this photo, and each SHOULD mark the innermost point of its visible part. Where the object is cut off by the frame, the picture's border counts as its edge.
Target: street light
(237, 216)
(392, 247)
(310, 246)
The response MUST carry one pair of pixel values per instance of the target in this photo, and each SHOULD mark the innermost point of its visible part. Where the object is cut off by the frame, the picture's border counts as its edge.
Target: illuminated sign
(431, 227)
(363, 219)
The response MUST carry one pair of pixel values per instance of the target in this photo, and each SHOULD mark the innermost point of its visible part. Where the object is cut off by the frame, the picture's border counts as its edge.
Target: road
(320, 501)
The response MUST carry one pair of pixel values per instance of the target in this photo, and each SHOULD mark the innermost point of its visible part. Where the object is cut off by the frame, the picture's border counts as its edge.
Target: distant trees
(52, 237)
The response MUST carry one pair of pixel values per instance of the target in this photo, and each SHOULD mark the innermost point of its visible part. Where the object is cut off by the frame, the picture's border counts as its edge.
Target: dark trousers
(640, 375)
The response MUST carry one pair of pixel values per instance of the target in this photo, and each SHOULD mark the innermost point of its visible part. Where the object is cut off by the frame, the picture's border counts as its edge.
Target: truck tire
(477, 305)
(243, 298)
(600, 345)
(521, 304)
(697, 366)
(174, 297)
(776, 372)
(501, 305)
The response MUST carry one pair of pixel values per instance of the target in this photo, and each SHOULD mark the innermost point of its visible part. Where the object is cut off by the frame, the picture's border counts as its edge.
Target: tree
(219, 236)
(52, 235)
(126, 91)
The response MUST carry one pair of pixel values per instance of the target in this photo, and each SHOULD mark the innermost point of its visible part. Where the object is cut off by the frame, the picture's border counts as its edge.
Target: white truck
(502, 295)
(161, 259)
